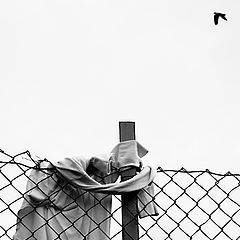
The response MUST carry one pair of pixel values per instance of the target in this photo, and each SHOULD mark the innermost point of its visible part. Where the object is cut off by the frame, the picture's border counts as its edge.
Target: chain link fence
(197, 205)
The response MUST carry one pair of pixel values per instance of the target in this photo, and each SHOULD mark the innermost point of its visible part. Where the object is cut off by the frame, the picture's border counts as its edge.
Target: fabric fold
(70, 169)
(128, 153)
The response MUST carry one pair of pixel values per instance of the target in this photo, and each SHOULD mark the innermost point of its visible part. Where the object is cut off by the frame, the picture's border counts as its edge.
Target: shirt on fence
(65, 201)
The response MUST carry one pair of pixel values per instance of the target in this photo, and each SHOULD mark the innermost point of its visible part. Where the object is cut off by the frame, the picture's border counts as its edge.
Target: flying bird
(217, 15)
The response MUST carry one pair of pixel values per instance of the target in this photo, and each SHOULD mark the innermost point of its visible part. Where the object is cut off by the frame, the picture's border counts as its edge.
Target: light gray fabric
(64, 206)
(128, 154)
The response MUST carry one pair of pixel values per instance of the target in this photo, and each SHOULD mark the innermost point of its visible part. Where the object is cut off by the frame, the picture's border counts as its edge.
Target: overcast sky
(71, 70)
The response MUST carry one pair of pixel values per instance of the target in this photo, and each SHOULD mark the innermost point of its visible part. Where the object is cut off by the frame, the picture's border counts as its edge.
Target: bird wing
(223, 17)
(216, 19)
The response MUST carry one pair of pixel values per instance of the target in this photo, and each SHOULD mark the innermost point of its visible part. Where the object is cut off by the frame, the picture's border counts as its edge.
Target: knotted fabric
(71, 199)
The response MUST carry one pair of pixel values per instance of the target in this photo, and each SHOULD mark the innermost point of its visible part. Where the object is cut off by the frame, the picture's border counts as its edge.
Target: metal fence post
(130, 230)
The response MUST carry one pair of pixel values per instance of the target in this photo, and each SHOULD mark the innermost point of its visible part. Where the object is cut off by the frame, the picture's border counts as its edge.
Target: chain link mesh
(195, 205)
(192, 204)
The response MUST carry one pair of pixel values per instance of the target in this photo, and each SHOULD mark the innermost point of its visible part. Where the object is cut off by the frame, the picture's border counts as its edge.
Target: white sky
(71, 70)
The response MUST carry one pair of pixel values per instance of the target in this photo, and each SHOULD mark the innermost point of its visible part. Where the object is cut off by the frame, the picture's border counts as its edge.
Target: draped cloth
(71, 199)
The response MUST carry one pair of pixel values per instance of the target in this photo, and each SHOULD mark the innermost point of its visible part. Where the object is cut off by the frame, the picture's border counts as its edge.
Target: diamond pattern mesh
(197, 205)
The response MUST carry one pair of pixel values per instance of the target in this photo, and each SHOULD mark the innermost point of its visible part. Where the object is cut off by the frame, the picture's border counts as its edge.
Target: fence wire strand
(192, 204)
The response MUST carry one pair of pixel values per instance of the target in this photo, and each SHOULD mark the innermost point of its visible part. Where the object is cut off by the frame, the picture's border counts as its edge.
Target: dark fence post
(130, 230)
